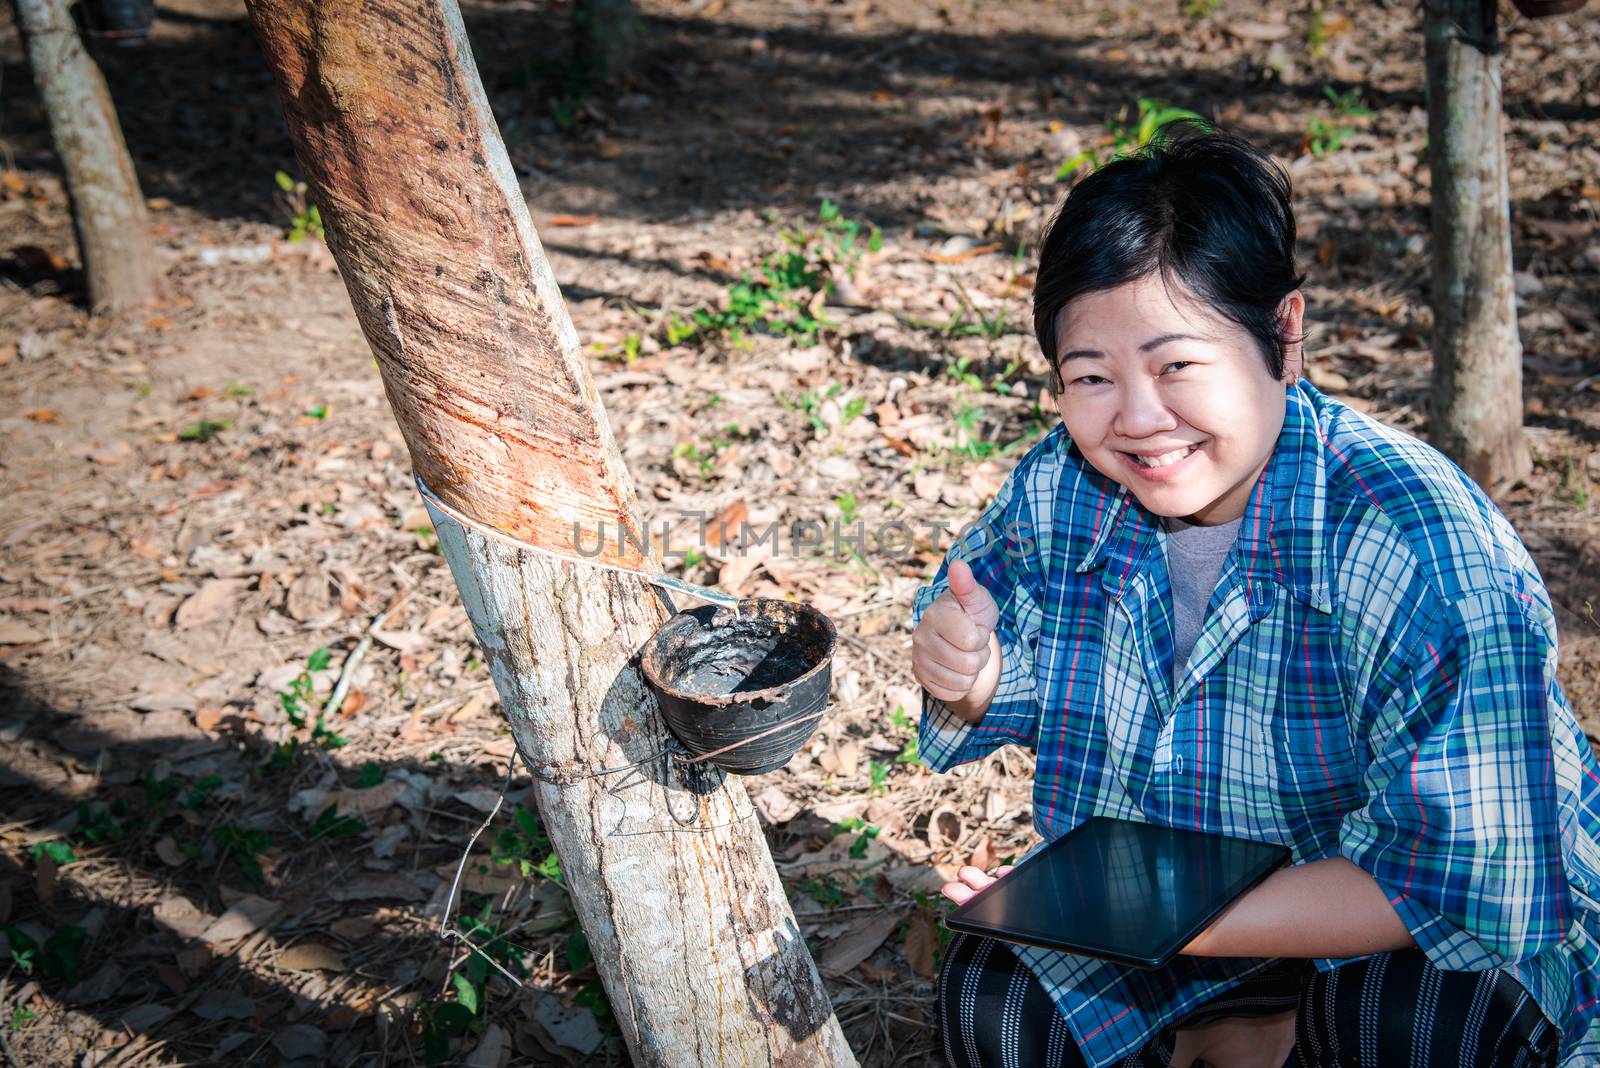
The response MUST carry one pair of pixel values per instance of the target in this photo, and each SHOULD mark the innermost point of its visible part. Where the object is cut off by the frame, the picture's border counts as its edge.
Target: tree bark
(691, 931)
(108, 209)
(1477, 355)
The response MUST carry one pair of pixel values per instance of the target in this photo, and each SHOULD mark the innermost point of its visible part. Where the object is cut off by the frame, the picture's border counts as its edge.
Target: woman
(1214, 598)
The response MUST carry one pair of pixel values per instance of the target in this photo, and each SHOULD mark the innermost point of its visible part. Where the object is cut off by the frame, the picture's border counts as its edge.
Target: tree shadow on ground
(730, 115)
(158, 821)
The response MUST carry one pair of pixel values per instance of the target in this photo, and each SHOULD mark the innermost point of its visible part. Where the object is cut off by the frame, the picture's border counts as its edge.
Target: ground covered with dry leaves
(800, 249)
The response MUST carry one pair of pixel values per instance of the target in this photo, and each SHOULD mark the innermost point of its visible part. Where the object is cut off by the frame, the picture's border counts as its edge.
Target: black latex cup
(722, 676)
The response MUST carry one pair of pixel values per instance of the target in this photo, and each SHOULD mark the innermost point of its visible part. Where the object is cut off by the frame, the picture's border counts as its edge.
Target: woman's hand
(971, 881)
(953, 649)
(1237, 1042)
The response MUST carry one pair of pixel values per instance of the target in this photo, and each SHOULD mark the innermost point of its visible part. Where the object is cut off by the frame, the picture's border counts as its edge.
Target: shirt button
(1177, 764)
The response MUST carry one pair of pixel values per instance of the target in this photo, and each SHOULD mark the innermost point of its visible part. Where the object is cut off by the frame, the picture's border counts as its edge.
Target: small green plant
(304, 218)
(1199, 9)
(58, 851)
(1125, 139)
(704, 454)
(204, 430)
(317, 411)
(1574, 489)
(824, 890)
(899, 718)
(878, 774)
(244, 847)
(908, 753)
(330, 824)
(853, 409)
(299, 701)
(236, 390)
(847, 505)
(519, 845)
(20, 1017)
(442, 1019)
(786, 294)
(57, 958)
(810, 402)
(1324, 135)
(1317, 36)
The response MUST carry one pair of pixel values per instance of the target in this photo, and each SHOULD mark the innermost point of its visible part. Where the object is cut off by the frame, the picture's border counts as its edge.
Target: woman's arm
(1327, 908)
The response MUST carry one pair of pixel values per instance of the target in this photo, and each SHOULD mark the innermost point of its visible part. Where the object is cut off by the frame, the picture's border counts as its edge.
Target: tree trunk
(107, 208)
(691, 931)
(1477, 355)
(605, 38)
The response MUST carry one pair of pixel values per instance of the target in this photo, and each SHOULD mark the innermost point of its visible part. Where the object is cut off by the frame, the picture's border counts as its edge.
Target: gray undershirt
(1194, 562)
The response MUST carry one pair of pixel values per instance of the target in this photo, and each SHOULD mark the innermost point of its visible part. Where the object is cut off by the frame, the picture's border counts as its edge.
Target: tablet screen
(1127, 891)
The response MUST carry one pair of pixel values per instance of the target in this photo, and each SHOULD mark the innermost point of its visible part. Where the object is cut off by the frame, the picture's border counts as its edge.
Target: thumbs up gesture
(954, 652)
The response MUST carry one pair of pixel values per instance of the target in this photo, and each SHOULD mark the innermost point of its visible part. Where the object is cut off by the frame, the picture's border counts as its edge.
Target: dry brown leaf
(983, 857)
(311, 957)
(573, 220)
(16, 632)
(366, 802)
(307, 598)
(43, 415)
(167, 849)
(857, 944)
(246, 916)
(962, 256)
(727, 523)
(213, 601)
(921, 940)
(472, 708)
(403, 641)
(776, 806)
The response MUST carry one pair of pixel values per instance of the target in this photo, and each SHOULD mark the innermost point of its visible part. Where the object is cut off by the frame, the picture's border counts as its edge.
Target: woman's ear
(1291, 323)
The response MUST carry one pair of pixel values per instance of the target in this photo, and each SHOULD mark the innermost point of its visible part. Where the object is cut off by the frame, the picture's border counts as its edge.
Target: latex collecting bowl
(755, 677)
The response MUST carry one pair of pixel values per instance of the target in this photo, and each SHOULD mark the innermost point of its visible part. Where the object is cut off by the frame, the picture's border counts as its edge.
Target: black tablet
(1135, 893)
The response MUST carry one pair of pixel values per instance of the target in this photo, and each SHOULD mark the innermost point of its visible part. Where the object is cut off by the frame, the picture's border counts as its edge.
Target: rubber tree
(108, 209)
(605, 40)
(1477, 355)
(691, 930)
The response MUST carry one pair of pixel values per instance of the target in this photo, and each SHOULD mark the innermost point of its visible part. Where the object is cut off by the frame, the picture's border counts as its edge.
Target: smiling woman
(1226, 602)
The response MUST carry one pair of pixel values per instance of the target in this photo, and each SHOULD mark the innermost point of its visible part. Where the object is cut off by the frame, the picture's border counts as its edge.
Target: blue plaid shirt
(1375, 679)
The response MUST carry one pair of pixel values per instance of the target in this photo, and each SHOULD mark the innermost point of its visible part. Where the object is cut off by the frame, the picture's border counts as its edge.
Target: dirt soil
(203, 496)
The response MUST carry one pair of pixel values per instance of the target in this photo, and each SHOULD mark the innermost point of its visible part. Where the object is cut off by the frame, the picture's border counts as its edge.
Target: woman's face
(1170, 399)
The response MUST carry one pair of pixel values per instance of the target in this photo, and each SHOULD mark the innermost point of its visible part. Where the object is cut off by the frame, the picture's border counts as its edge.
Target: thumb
(970, 594)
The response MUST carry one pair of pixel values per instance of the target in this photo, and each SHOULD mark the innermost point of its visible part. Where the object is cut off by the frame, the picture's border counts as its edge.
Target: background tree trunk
(1477, 355)
(605, 37)
(690, 928)
(107, 208)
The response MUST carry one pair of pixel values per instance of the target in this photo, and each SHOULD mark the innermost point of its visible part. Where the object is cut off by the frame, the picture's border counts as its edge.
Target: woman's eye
(1177, 365)
(1087, 380)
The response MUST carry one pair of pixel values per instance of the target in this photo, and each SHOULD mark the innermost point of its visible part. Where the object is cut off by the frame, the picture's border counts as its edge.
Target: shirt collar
(1280, 538)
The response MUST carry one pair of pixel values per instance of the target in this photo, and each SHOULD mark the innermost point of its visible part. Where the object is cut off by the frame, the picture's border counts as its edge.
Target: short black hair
(1200, 205)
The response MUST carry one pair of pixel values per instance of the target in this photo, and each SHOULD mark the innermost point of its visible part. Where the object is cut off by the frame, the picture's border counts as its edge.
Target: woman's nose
(1141, 411)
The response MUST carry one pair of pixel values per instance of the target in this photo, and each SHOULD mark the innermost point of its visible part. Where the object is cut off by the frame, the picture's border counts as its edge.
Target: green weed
(204, 430)
(1124, 139)
(299, 702)
(244, 847)
(57, 958)
(1324, 135)
(304, 219)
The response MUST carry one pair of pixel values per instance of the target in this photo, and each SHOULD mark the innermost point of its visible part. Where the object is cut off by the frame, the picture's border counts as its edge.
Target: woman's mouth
(1165, 459)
